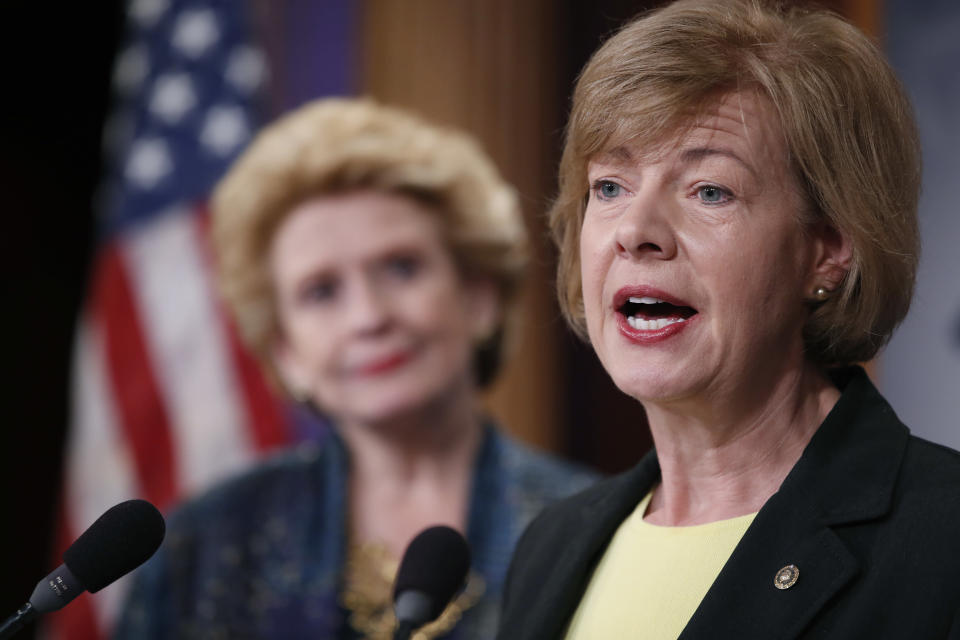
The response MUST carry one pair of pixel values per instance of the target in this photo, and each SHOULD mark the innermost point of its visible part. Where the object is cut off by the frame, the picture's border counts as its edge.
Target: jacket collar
(849, 469)
(590, 529)
(846, 474)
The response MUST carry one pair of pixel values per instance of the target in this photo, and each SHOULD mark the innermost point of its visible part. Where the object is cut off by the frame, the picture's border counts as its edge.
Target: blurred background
(117, 118)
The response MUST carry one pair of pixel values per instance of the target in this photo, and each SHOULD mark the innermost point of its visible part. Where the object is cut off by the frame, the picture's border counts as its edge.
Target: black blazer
(870, 516)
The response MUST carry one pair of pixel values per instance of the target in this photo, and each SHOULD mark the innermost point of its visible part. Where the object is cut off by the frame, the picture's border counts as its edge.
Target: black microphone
(117, 543)
(433, 568)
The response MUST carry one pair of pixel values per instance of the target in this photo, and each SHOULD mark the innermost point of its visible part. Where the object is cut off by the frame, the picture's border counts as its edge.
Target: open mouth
(646, 313)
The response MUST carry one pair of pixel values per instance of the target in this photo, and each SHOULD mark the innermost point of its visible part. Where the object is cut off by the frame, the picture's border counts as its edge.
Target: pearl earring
(821, 293)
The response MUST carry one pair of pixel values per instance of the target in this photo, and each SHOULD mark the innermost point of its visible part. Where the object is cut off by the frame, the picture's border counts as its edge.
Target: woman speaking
(737, 227)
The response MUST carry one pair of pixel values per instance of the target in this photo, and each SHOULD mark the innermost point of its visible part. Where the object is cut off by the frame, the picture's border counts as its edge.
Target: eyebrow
(690, 155)
(695, 154)
(616, 155)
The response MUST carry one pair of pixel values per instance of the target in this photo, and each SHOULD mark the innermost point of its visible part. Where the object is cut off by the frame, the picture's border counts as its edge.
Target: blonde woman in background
(371, 261)
(737, 222)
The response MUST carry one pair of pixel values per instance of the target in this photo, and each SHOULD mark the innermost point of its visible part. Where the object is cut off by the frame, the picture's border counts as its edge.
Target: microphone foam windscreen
(117, 543)
(436, 563)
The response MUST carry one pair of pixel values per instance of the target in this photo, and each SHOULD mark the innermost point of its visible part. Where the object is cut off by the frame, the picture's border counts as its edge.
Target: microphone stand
(17, 621)
(405, 629)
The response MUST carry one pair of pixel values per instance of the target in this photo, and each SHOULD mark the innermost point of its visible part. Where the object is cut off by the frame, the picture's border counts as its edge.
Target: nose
(368, 311)
(645, 229)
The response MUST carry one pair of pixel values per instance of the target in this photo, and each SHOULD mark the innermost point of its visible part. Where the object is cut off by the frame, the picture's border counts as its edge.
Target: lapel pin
(786, 577)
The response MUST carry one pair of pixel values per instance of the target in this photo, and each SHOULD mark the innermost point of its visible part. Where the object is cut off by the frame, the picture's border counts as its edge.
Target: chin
(655, 375)
(391, 407)
(398, 402)
(651, 384)
(643, 390)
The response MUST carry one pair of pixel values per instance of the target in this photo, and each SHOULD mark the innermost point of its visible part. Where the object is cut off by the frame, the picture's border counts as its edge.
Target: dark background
(55, 61)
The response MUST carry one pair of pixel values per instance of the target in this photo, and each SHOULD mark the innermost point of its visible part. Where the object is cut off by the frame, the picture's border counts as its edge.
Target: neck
(726, 457)
(412, 471)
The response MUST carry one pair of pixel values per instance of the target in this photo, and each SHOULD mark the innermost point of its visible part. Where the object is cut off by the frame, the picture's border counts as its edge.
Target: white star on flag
(225, 128)
(196, 31)
(246, 69)
(146, 13)
(149, 162)
(173, 96)
(131, 69)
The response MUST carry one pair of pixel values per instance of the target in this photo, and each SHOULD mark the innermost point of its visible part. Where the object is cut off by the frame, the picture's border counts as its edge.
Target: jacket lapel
(744, 603)
(846, 475)
(570, 573)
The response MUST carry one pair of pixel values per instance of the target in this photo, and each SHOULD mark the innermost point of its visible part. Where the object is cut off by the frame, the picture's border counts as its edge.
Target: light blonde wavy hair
(337, 145)
(848, 125)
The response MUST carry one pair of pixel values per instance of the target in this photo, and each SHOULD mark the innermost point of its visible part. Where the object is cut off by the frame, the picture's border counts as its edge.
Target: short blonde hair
(337, 145)
(848, 125)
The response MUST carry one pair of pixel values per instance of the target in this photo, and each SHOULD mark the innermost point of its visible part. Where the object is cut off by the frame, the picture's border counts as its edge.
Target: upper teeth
(646, 300)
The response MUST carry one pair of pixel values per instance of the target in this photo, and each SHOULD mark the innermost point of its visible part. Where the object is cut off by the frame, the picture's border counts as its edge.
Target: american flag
(165, 400)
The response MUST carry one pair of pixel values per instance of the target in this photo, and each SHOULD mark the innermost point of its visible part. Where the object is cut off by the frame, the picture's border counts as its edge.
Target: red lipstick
(677, 309)
(645, 291)
(384, 365)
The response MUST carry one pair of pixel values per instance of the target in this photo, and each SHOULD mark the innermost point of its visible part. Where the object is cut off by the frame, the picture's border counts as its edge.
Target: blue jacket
(262, 556)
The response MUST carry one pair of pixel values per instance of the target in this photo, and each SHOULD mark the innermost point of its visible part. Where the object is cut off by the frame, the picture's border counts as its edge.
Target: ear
(833, 255)
(483, 307)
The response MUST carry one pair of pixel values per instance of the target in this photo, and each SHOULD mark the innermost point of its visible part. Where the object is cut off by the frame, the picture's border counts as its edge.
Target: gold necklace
(368, 595)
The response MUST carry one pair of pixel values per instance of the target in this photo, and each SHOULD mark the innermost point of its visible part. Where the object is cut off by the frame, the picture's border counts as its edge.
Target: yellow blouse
(651, 579)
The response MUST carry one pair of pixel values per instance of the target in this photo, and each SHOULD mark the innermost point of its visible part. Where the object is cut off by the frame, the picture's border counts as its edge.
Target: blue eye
(404, 267)
(712, 194)
(319, 291)
(606, 190)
